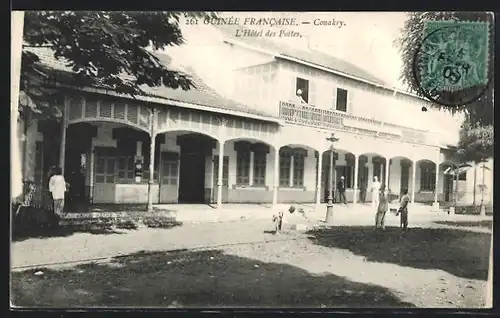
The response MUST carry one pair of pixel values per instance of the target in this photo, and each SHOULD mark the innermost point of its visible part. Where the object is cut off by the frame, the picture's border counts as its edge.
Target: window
(259, 169)
(341, 104)
(292, 160)
(105, 170)
(243, 166)
(225, 171)
(125, 169)
(285, 163)
(303, 85)
(427, 176)
(169, 168)
(298, 168)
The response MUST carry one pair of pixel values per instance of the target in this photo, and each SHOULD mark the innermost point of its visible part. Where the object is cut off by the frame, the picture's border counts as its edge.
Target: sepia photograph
(172, 160)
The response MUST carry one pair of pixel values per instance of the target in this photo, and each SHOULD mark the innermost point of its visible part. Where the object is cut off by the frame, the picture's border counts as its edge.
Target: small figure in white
(375, 191)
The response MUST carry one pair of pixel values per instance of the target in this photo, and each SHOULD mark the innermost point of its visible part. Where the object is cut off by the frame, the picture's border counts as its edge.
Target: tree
(476, 142)
(104, 49)
(478, 122)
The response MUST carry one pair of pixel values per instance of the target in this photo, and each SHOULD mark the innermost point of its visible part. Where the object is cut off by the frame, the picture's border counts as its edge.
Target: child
(403, 209)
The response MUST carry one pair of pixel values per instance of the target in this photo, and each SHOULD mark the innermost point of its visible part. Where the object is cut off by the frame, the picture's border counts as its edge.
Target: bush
(472, 209)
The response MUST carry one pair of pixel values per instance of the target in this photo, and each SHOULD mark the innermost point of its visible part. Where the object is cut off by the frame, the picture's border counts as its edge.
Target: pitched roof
(201, 94)
(312, 56)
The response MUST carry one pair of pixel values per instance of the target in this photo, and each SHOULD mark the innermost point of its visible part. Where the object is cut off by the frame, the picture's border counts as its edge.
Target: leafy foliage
(110, 50)
(476, 142)
(477, 130)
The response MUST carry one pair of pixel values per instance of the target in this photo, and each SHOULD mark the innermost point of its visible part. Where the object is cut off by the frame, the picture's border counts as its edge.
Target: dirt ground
(346, 266)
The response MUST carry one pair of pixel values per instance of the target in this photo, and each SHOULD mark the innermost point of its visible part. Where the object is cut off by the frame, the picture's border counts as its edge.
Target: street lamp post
(329, 206)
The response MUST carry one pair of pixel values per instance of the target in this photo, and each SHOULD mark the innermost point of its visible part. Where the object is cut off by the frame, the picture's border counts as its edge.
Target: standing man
(57, 187)
(375, 191)
(341, 188)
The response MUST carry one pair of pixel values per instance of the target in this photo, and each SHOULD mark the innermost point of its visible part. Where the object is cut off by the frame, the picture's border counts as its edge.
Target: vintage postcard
(252, 159)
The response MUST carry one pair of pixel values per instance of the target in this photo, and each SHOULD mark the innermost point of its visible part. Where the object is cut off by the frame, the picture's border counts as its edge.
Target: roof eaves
(167, 101)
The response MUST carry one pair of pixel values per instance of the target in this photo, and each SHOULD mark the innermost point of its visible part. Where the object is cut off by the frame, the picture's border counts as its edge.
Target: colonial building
(260, 139)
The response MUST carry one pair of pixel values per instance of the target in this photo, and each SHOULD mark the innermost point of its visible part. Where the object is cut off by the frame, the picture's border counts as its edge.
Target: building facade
(253, 141)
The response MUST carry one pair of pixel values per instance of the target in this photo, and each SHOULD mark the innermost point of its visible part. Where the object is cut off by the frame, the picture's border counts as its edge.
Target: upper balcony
(301, 114)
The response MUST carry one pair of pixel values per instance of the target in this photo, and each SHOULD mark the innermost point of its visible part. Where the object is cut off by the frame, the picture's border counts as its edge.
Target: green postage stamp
(452, 64)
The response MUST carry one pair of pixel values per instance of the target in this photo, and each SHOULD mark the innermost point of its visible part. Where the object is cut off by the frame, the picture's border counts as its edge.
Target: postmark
(452, 64)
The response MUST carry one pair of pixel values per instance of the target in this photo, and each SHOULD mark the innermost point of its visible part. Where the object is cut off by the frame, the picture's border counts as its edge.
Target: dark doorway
(448, 187)
(194, 150)
(78, 146)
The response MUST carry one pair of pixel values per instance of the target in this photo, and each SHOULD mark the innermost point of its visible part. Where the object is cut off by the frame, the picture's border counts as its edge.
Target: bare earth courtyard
(241, 264)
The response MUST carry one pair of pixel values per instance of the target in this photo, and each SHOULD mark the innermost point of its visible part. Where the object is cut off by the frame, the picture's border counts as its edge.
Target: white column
(356, 165)
(220, 174)
(62, 154)
(436, 186)
(276, 174)
(250, 169)
(387, 168)
(292, 163)
(318, 177)
(413, 177)
(91, 168)
(455, 197)
(17, 25)
(152, 146)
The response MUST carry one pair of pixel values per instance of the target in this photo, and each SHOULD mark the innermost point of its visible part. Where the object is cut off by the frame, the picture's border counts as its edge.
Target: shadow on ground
(461, 253)
(99, 226)
(481, 223)
(193, 279)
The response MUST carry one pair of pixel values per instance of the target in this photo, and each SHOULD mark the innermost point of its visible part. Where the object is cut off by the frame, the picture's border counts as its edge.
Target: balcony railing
(329, 119)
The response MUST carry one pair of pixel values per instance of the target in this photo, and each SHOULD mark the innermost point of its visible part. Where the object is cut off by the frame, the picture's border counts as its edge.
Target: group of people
(380, 201)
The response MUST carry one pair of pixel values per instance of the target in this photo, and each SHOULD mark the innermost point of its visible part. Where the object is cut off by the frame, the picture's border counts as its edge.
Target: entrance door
(169, 177)
(448, 187)
(78, 148)
(225, 179)
(104, 187)
(192, 176)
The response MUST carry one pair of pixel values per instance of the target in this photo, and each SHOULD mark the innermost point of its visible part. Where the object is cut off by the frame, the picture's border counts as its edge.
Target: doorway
(448, 187)
(195, 148)
(76, 165)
